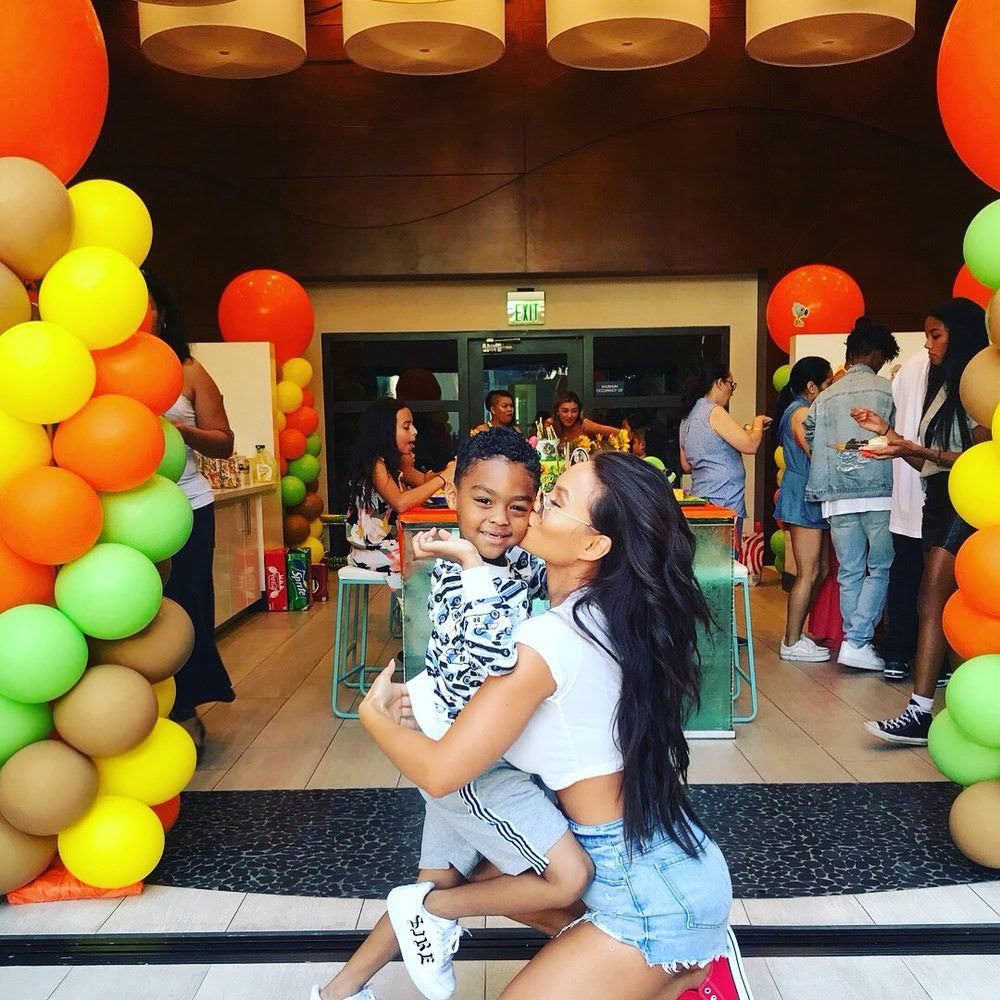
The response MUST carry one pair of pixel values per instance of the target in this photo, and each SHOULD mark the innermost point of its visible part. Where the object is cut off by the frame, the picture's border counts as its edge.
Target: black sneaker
(911, 726)
(944, 678)
(895, 670)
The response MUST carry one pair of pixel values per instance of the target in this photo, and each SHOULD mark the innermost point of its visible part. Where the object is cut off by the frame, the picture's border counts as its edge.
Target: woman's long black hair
(376, 440)
(966, 323)
(804, 371)
(170, 326)
(651, 607)
(698, 385)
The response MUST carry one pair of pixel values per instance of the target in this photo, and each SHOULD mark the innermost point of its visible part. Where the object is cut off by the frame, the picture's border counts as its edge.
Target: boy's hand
(439, 543)
(389, 699)
(870, 420)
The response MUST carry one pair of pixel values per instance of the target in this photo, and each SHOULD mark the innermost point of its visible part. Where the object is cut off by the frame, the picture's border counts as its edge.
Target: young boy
(482, 587)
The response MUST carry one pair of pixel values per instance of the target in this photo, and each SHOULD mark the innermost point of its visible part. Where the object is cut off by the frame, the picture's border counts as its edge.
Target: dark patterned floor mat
(780, 840)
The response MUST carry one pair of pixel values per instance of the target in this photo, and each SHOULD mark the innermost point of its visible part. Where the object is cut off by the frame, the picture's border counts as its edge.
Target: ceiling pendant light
(235, 39)
(424, 38)
(826, 32)
(625, 34)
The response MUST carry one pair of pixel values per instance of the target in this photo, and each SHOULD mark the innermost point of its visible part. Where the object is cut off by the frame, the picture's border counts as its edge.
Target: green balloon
(778, 545)
(313, 445)
(957, 757)
(174, 452)
(656, 463)
(111, 592)
(780, 377)
(155, 518)
(22, 724)
(981, 246)
(293, 491)
(42, 653)
(305, 468)
(973, 699)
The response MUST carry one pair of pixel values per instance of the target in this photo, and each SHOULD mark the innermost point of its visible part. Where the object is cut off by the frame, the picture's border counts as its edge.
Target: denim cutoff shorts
(673, 907)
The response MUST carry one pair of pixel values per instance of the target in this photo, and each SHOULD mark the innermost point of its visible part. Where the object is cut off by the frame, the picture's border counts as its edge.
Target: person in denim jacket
(855, 489)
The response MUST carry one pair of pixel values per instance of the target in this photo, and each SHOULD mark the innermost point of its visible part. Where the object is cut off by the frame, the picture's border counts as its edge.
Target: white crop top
(571, 736)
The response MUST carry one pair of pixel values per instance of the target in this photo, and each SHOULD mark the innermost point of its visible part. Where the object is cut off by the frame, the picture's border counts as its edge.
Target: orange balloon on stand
(291, 444)
(308, 399)
(142, 367)
(114, 443)
(22, 581)
(55, 83)
(283, 465)
(50, 516)
(813, 299)
(966, 286)
(977, 571)
(969, 632)
(968, 86)
(146, 326)
(167, 812)
(304, 419)
(270, 307)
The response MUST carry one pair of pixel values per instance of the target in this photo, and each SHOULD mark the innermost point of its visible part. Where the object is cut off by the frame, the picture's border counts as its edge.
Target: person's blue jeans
(863, 544)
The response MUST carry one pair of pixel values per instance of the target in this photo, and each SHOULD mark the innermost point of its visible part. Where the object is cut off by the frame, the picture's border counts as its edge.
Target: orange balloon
(167, 812)
(977, 571)
(146, 326)
(969, 632)
(114, 443)
(50, 516)
(966, 286)
(304, 419)
(968, 86)
(142, 367)
(813, 299)
(54, 90)
(267, 306)
(283, 465)
(23, 582)
(308, 399)
(291, 444)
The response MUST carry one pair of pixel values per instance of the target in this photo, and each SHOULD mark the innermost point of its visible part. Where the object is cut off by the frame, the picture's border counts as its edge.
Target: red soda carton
(276, 580)
(320, 582)
(297, 562)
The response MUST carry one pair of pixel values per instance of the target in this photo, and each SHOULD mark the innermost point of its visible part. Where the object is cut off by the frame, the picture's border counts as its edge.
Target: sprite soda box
(299, 584)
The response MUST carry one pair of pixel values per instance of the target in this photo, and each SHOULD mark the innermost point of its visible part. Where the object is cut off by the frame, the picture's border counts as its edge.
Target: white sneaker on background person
(860, 657)
(804, 651)
(427, 942)
(365, 994)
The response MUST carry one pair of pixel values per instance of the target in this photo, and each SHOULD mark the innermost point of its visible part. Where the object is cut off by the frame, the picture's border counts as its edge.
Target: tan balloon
(46, 787)
(15, 306)
(993, 319)
(36, 217)
(980, 388)
(158, 651)
(22, 857)
(111, 710)
(975, 820)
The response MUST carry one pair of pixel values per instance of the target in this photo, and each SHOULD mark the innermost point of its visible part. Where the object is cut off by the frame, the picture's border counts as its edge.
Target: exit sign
(526, 308)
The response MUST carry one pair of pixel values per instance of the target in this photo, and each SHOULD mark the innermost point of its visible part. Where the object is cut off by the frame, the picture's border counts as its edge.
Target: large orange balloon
(969, 632)
(142, 367)
(291, 444)
(23, 582)
(304, 419)
(50, 516)
(53, 82)
(968, 86)
(977, 571)
(966, 286)
(270, 307)
(114, 443)
(813, 299)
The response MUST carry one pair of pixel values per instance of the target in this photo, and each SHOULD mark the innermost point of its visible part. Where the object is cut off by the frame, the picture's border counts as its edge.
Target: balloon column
(88, 644)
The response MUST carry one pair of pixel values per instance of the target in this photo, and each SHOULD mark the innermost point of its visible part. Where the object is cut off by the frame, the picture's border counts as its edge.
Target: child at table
(503, 824)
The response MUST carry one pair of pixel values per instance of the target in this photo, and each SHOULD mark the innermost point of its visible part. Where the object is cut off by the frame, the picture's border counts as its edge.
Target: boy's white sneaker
(860, 657)
(426, 942)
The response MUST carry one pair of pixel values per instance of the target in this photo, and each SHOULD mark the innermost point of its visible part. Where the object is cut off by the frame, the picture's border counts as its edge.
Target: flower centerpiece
(556, 457)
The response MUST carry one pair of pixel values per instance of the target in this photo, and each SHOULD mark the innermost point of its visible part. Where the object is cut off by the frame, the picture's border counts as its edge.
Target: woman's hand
(439, 543)
(388, 699)
(761, 422)
(871, 421)
(896, 448)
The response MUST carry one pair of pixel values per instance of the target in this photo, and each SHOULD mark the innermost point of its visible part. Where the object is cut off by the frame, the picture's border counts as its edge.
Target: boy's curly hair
(497, 442)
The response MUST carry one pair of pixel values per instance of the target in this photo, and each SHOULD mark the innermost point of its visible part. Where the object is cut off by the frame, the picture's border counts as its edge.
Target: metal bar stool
(741, 579)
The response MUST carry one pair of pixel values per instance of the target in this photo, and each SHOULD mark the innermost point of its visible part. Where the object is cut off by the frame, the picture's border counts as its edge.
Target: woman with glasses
(713, 443)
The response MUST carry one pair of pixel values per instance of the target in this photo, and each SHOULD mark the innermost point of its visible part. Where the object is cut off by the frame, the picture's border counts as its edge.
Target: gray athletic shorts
(505, 816)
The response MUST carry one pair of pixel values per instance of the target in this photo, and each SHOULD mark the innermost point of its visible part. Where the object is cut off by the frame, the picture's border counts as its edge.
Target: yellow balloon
(996, 424)
(316, 528)
(156, 770)
(781, 475)
(22, 446)
(280, 421)
(46, 374)
(297, 370)
(974, 484)
(109, 214)
(166, 695)
(96, 293)
(315, 547)
(779, 457)
(118, 841)
(289, 396)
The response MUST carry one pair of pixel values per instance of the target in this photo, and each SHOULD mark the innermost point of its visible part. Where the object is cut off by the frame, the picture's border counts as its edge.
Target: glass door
(533, 369)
